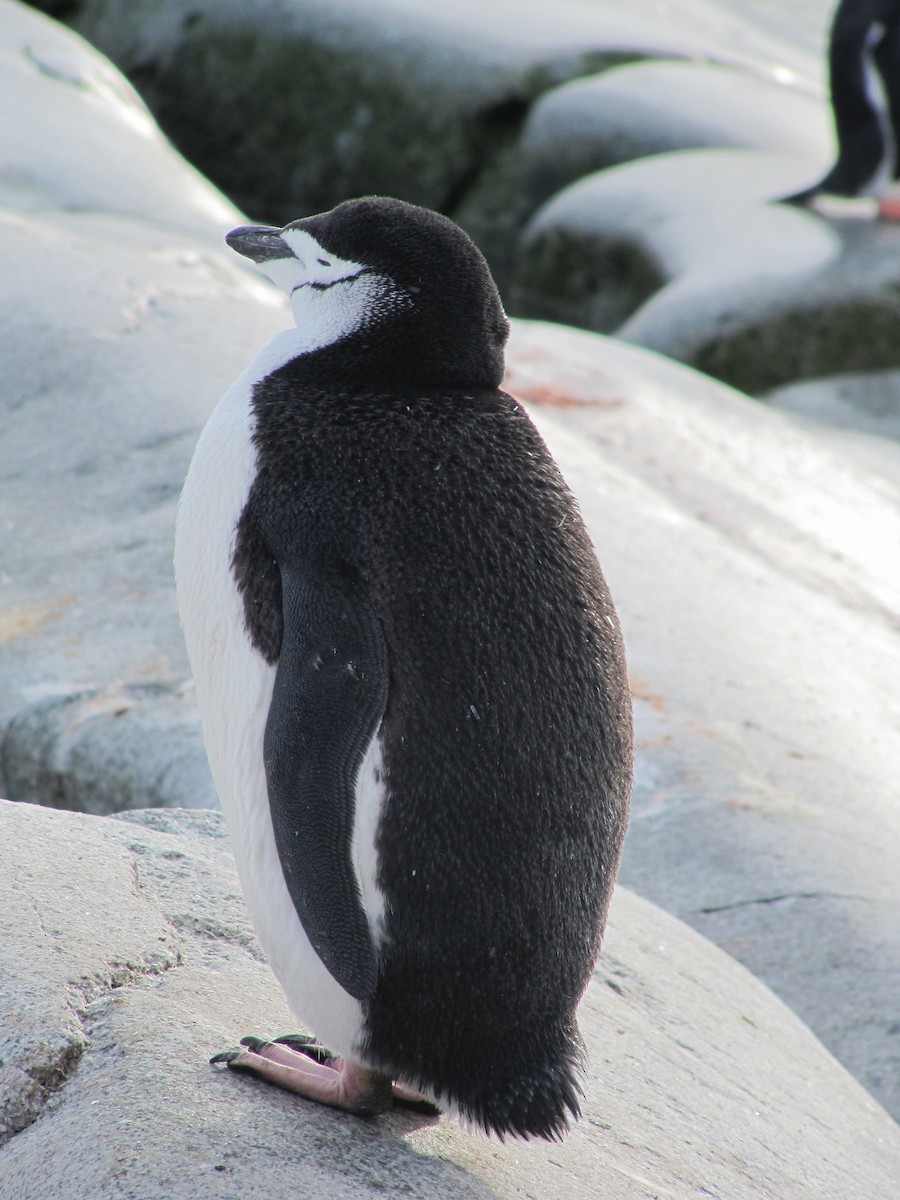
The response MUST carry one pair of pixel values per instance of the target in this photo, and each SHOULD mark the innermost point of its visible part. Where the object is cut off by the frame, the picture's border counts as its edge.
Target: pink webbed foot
(299, 1064)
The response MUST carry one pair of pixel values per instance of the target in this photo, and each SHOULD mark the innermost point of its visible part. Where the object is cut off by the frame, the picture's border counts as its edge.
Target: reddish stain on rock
(640, 691)
(552, 398)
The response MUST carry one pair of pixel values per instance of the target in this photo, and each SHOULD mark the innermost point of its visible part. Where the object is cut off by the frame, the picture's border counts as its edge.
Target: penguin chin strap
(297, 1063)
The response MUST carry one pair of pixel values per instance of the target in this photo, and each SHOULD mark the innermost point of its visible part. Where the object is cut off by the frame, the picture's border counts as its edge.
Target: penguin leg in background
(887, 60)
(858, 121)
(297, 1063)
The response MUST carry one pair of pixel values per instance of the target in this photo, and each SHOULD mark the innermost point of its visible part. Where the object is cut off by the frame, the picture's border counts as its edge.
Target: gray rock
(657, 107)
(88, 751)
(756, 568)
(804, 24)
(106, 270)
(291, 107)
(867, 403)
(294, 107)
(684, 253)
(609, 243)
(127, 958)
(81, 111)
(858, 414)
(750, 556)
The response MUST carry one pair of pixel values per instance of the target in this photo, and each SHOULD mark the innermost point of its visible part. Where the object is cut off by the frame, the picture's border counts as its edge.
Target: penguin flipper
(328, 699)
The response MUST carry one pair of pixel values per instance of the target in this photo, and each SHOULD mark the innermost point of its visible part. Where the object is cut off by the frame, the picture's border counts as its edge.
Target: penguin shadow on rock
(864, 74)
(411, 681)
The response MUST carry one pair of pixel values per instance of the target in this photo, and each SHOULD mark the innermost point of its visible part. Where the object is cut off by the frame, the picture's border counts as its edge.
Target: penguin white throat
(331, 297)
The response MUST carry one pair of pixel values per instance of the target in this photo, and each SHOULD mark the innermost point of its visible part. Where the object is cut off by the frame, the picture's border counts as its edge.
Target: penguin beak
(261, 243)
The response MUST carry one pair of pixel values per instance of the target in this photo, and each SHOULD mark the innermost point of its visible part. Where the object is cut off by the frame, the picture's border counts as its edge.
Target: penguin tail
(501, 1070)
(539, 1100)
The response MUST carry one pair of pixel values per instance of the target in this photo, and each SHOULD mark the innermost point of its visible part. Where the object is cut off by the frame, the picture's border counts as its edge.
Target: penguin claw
(306, 1043)
(254, 1043)
(225, 1056)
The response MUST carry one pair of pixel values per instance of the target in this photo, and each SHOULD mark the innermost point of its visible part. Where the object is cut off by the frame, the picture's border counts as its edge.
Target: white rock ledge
(127, 958)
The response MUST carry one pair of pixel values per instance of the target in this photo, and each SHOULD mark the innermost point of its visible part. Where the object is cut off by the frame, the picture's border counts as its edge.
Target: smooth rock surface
(126, 958)
(619, 239)
(867, 403)
(753, 559)
(804, 23)
(684, 253)
(107, 384)
(757, 571)
(291, 107)
(648, 108)
(64, 108)
(105, 236)
(858, 413)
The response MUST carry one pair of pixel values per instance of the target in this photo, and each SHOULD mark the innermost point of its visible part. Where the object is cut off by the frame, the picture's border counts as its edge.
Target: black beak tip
(261, 243)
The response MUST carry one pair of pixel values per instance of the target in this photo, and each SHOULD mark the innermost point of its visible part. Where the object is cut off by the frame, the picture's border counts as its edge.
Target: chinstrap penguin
(411, 680)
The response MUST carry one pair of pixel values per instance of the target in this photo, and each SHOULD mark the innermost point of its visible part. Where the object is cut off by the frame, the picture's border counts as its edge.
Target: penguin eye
(323, 262)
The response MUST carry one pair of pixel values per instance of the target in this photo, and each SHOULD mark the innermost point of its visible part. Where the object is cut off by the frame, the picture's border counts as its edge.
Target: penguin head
(401, 291)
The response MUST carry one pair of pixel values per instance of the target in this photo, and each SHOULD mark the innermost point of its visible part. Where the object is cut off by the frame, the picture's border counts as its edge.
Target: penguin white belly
(234, 690)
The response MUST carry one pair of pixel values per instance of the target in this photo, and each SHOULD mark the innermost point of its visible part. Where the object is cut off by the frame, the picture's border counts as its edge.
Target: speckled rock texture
(127, 958)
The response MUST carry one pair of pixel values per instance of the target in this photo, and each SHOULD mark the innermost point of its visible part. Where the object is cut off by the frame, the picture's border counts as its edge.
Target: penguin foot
(299, 1063)
(846, 208)
(317, 1075)
(305, 1043)
(889, 207)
